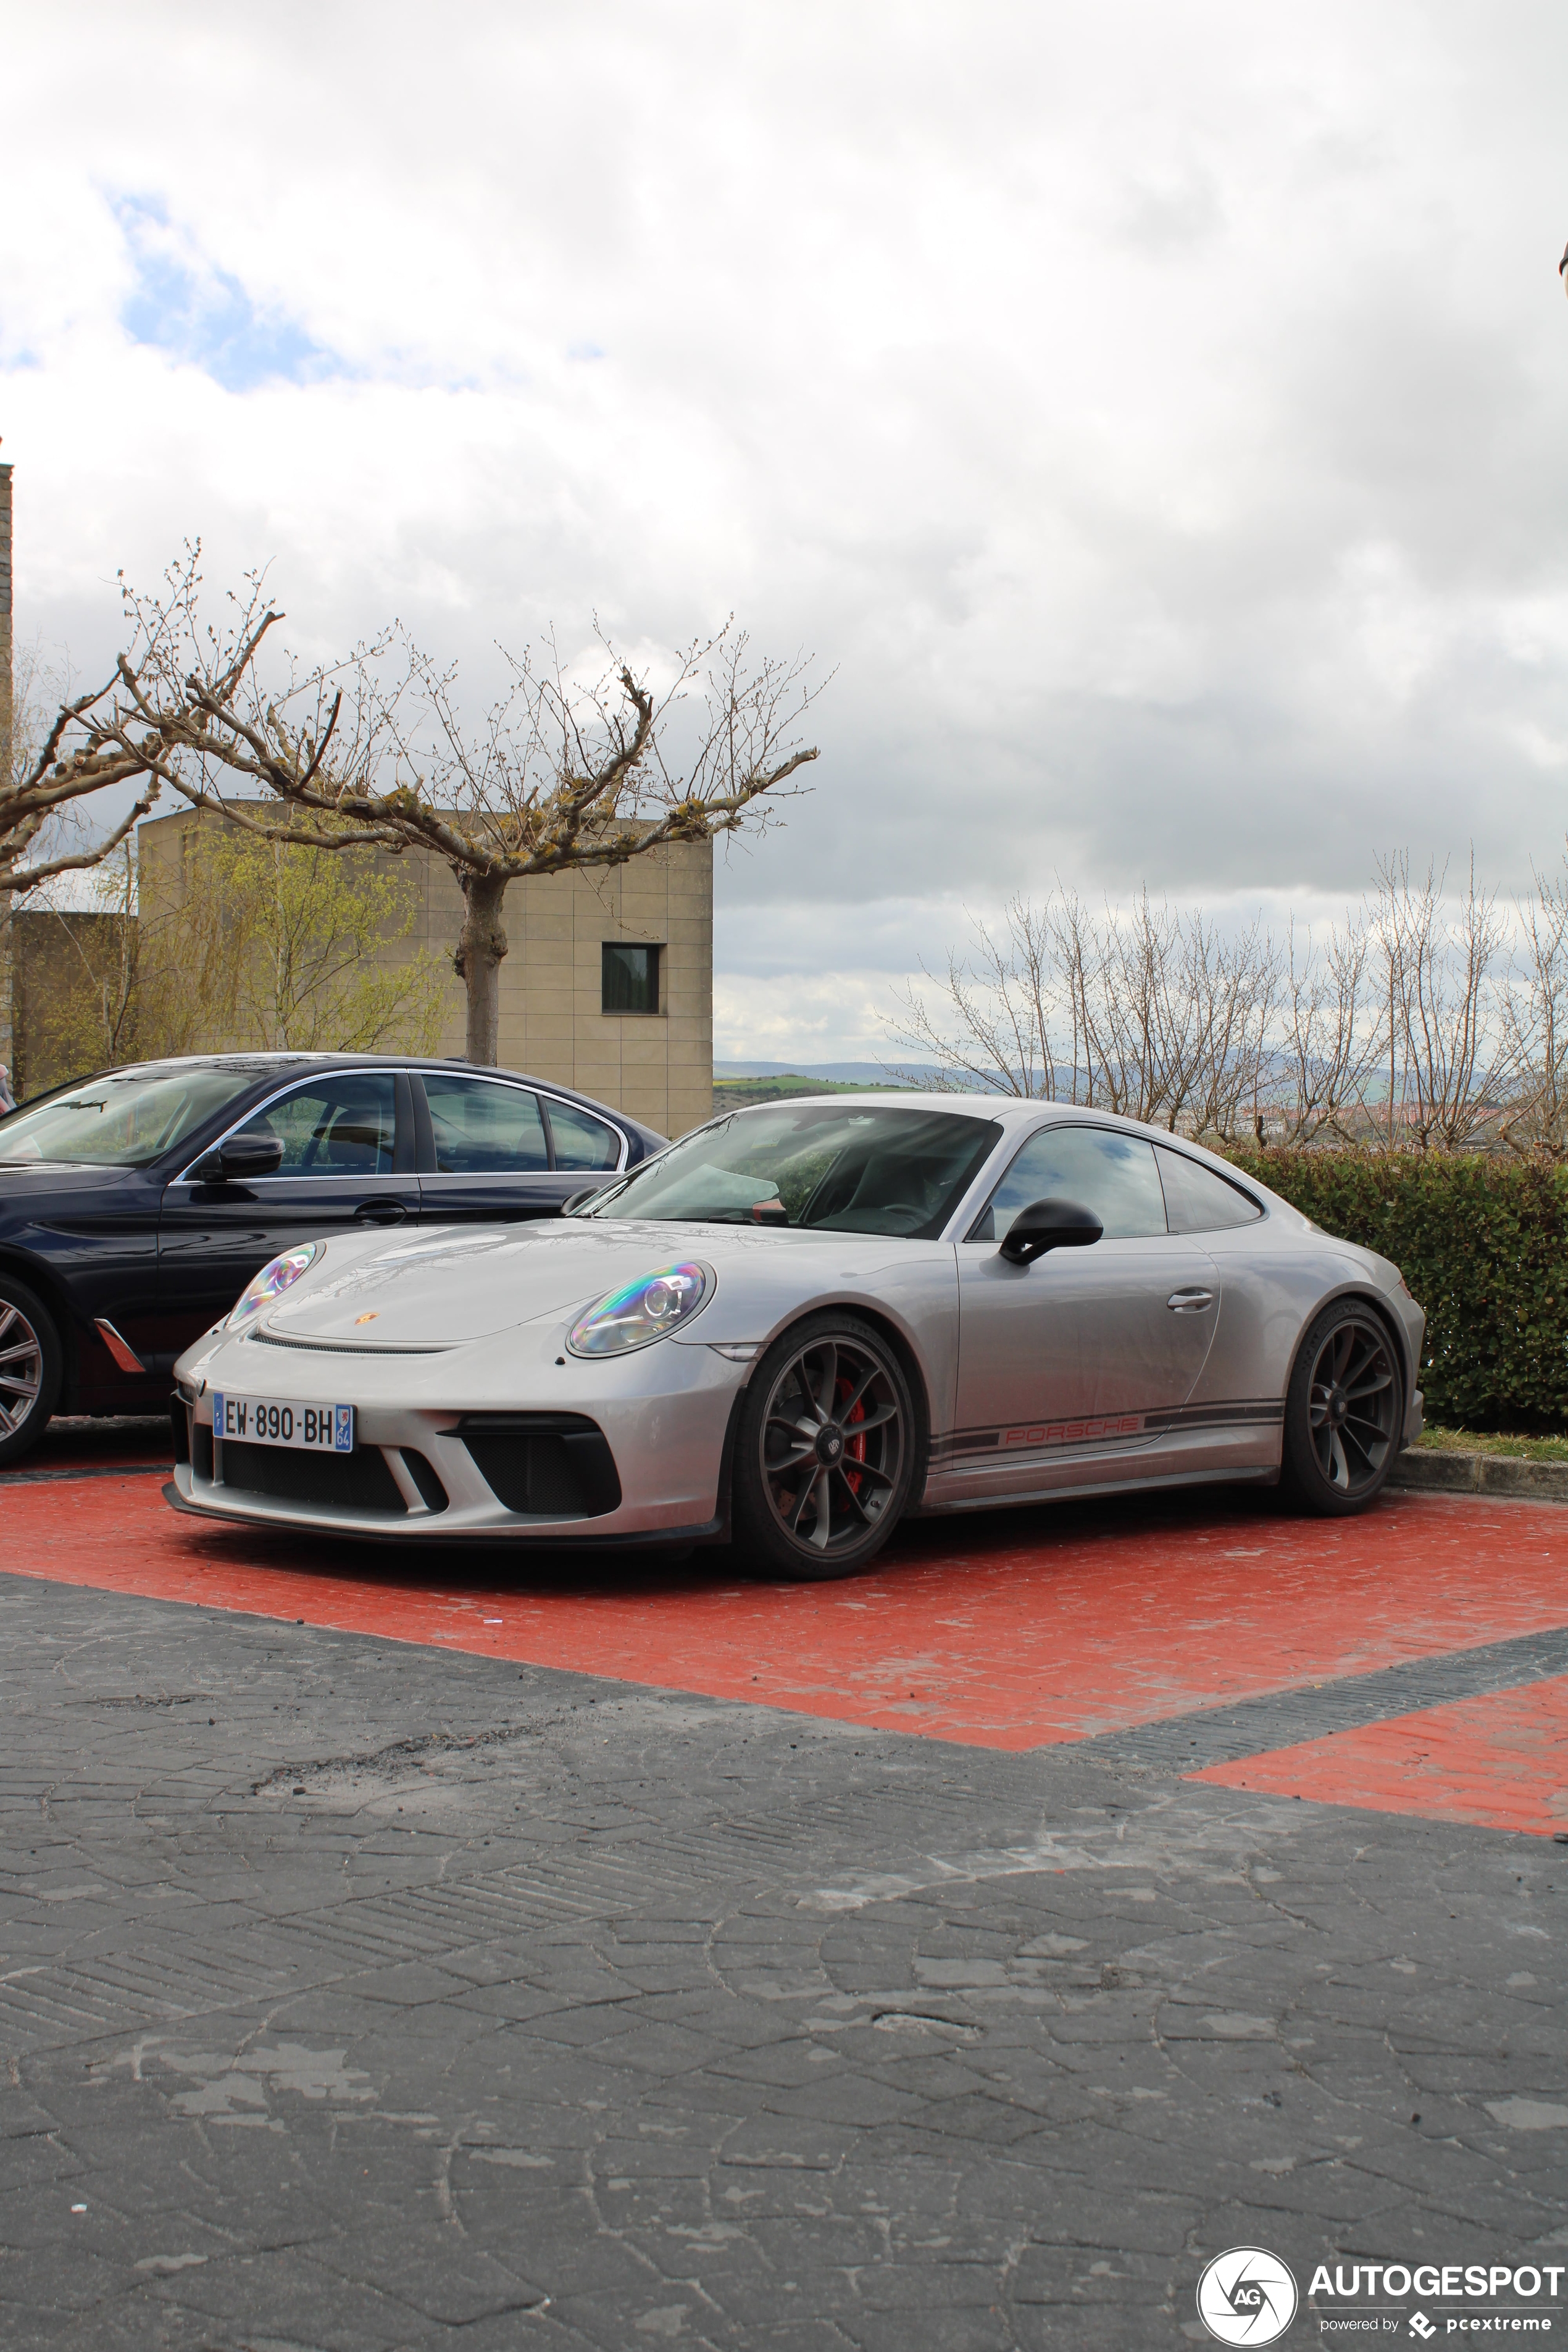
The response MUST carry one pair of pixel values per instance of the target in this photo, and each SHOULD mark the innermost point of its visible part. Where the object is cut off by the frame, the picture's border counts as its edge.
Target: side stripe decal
(1099, 1429)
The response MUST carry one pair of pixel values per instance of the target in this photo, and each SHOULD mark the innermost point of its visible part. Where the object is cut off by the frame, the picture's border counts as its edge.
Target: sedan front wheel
(30, 1366)
(825, 1451)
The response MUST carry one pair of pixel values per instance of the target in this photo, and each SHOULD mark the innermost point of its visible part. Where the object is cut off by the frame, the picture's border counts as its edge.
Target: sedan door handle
(380, 1213)
(1189, 1302)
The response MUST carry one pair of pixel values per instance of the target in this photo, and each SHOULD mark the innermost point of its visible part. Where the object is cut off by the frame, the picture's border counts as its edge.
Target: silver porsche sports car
(801, 1322)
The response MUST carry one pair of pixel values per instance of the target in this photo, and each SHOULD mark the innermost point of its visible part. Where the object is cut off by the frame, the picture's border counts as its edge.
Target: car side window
(1113, 1175)
(484, 1126)
(581, 1139)
(1199, 1201)
(334, 1127)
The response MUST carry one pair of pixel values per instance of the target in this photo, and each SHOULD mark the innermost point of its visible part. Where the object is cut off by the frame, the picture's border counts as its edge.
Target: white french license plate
(263, 1420)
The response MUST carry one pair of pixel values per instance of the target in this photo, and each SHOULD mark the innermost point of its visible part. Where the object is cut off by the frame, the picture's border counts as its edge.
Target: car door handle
(380, 1213)
(1189, 1302)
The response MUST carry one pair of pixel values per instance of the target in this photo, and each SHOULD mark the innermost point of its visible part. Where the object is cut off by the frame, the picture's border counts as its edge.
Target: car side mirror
(243, 1156)
(1047, 1225)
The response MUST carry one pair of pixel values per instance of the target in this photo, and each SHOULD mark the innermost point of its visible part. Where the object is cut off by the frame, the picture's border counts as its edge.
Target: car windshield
(123, 1119)
(848, 1169)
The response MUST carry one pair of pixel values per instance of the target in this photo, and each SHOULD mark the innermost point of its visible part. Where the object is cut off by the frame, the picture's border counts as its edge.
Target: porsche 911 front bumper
(533, 1450)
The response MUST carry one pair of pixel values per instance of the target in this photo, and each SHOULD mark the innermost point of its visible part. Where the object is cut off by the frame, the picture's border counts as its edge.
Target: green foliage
(1472, 1441)
(1483, 1244)
(314, 930)
(239, 943)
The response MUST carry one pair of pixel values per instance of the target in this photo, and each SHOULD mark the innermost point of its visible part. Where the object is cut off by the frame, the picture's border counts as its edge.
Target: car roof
(281, 1064)
(1011, 1110)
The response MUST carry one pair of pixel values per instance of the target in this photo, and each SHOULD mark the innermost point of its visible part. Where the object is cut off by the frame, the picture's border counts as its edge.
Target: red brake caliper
(854, 1447)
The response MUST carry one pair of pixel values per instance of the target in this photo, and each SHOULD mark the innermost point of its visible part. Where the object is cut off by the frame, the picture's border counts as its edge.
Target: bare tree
(1156, 1015)
(52, 767)
(1003, 1007)
(1535, 1022)
(1444, 1040)
(1330, 1038)
(566, 772)
(1177, 1019)
(83, 751)
(1230, 993)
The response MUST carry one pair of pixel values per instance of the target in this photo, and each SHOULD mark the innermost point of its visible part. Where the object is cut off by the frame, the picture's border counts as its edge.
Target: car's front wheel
(825, 1453)
(1344, 1413)
(30, 1366)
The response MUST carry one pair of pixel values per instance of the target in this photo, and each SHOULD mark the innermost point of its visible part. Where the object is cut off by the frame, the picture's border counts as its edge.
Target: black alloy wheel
(30, 1366)
(1344, 1413)
(826, 1451)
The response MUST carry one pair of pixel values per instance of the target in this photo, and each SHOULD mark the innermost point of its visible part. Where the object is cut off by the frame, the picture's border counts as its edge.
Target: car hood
(27, 1177)
(463, 1282)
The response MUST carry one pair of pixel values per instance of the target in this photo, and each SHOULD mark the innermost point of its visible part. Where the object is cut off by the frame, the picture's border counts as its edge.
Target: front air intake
(359, 1481)
(544, 1465)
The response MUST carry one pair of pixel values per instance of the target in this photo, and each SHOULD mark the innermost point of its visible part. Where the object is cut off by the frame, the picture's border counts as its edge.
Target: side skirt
(1149, 1485)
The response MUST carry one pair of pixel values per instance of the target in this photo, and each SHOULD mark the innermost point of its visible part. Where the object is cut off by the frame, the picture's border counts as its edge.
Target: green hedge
(1482, 1243)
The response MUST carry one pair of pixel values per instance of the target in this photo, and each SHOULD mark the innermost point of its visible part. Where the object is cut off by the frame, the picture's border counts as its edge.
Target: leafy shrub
(1483, 1244)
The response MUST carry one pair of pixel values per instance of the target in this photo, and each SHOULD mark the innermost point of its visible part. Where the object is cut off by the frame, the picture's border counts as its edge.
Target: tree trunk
(8, 992)
(481, 944)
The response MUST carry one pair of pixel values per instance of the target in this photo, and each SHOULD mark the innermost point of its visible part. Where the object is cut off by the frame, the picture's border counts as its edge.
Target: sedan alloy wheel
(29, 1369)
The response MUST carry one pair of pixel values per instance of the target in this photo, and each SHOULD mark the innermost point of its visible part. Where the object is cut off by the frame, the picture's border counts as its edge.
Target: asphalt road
(370, 1991)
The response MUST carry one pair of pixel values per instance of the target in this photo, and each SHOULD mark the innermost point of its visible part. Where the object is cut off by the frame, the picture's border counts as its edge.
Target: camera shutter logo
(1246, 2296)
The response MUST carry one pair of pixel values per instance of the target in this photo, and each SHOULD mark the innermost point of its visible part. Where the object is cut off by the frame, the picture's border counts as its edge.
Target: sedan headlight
(645, 1310)
(274, 1279)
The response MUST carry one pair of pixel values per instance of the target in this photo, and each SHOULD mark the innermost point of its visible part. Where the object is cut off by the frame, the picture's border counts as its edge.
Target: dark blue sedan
(136, 1205)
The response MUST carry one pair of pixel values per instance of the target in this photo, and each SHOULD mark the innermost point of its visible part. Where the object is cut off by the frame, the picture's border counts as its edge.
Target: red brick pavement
(1500, 1760)
(1015, 1631)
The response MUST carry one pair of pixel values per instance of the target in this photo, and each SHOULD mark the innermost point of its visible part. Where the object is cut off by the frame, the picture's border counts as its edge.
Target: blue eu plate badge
(269, 1421)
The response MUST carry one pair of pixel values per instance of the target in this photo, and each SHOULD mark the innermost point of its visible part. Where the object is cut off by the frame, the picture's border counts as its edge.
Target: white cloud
(1154, 414)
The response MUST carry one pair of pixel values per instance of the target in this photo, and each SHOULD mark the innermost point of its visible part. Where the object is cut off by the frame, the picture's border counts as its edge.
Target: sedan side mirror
(1047, 1225)
(243, 1156)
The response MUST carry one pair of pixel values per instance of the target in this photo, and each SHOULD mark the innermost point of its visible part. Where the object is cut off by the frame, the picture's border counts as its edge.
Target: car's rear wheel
(1344, 1413)
(825, 1453)
(30, 1366)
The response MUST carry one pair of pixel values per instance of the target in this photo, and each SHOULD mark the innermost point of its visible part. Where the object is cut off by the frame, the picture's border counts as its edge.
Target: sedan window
(1199, 1201)
(124, 1120)
(582, 1140)
(334, 1127)
(1113, 1175)
(848, 1169)
(484, 1126)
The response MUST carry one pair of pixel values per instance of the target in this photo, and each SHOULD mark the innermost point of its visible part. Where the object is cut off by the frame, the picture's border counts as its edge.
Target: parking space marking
(1020, 1632)
(1499, 1761)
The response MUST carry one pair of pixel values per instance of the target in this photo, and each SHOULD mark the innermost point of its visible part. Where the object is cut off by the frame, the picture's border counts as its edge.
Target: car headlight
(274, 1279)
(645, 1310)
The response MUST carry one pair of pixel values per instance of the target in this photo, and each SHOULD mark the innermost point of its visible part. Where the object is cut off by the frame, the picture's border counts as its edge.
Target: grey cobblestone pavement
(355, 1997)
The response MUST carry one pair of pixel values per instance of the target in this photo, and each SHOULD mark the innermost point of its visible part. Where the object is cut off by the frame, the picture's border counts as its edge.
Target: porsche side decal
(1101, 1429)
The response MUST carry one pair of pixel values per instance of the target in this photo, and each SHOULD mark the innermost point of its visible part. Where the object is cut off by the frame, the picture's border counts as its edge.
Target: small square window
(631, 983)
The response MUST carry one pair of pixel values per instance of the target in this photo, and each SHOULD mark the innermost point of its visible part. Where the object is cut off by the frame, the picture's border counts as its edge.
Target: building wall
(8, 982)
(659, 1066)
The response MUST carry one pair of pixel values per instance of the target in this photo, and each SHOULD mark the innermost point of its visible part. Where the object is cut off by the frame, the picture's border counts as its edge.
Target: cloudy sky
(1155, 414)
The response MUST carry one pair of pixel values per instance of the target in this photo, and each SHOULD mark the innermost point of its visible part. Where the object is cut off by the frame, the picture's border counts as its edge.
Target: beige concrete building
(607, 985)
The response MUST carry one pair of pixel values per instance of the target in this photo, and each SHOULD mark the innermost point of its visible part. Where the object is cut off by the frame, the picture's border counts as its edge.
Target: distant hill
(737, 1083)
(848, 1074)
(735, 1094)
